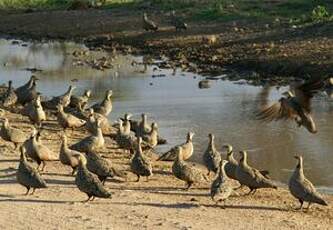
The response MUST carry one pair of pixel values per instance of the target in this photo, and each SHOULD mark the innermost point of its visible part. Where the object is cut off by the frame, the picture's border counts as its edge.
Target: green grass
(296, 11)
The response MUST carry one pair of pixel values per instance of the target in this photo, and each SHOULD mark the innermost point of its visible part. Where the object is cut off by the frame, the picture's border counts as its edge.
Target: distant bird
(211, 156)
(187, 150)
(63, 100)
(91, 143)
(184, 171)
(140, 165)
(151, 138)
(101, 167)
(221, 188)
(123, 139)
(105, 107)
(89, 183)
(10, 97)
(142, 127)
(67, 120)
(177, 22)
(251, 177)
(302, 189)
(27, 175)
(14, 135)
(27, 92)
(126, 127)
(68, 156)
(295, 105)
(80, 101)
(148, 24)
(35, 111)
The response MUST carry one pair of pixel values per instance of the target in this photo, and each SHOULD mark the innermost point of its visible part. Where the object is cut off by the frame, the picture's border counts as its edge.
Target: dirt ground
(272, 51)
(161, 203)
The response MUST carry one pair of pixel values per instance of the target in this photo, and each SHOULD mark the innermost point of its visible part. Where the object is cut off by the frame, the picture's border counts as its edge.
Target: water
(178, 105)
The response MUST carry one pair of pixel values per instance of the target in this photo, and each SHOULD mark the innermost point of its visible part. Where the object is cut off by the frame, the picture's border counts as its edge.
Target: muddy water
(178, 105)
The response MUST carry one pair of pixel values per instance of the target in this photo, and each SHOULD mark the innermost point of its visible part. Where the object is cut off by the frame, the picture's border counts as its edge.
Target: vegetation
(296, 11)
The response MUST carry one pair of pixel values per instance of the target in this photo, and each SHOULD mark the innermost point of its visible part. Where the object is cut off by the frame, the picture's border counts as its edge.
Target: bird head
(228, 148)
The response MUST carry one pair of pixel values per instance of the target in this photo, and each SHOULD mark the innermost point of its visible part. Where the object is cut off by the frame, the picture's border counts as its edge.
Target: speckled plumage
(211, 156)
(35, 111)
(251, 177)
(91, 143)
(221, 188)
(10, 98)
(89, 183)
(67, 120)
(80, 102)
(27, 92)
(27, 175)
(8, 133)
(184, 171)
(68, 156)
(140, 165)
(187, 150)
(301, 188)
(101, 167)
(105, 107)
(63, 100)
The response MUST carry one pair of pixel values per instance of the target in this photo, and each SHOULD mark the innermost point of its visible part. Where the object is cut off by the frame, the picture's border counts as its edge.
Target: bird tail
(168, 156)
(321, 201)
(119, 173)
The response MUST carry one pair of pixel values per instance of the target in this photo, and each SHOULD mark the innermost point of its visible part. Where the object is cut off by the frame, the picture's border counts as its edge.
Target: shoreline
(260, 53)
(161, 203)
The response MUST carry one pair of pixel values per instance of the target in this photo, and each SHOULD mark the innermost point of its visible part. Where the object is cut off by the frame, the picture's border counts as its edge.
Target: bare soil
(273, 51)
(161, 203)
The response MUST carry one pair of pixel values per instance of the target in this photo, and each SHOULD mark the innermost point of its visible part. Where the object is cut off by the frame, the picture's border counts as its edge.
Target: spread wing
(283, 109)
(304, 92)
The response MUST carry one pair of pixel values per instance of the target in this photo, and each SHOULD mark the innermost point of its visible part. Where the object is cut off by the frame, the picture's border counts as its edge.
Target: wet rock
(204, 84)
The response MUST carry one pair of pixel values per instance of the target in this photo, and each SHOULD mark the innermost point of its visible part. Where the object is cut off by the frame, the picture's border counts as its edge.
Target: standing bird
(251, 177)
(177, 22)
(91, 143)
(148, 25)
(302, 189)
(26, 92)
(221, 189)
(101, 167)
(91, 123)
(67, 120)
(142, 127)
(184, 171)
(8, 133)
(68, 156)
(89, 183)
(10, 97)
(187, 150)
(63, 100)
(140, 166)
(80, 102)
(151, 138)
(105, 107)
(211, 156)
(28, 176)
(232, 164)
(41, 153)
(295, 105)
(35, 111)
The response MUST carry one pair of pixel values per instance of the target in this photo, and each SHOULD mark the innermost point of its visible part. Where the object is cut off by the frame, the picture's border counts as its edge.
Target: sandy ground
(161, 203)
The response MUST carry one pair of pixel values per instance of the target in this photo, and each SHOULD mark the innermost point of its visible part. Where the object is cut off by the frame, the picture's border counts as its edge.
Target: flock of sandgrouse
(91, 170)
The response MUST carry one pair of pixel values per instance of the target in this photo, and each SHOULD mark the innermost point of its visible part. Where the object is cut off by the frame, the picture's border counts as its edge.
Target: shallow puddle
(178, 105)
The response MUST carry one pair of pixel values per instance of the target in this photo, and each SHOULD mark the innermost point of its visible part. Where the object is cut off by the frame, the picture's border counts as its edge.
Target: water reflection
(176, 102)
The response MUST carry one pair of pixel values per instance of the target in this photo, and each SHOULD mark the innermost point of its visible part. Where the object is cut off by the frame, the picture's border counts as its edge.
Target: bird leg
(301, 207)
(74, 171)
(251, 192)
(137, 180)
(93, 198)
(307, 209)
(33, 191)
(28, 189)
(44, 164)
(239, 187)
(147, 178)
(189, 184)
(85, 201)
(208, 173)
